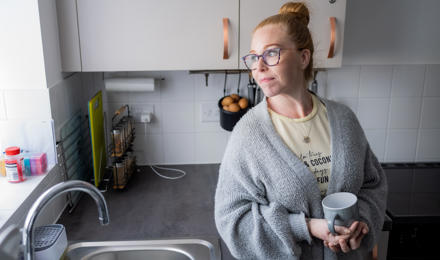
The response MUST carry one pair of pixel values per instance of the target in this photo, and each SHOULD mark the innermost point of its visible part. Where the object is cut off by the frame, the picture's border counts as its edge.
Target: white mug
(340, 209)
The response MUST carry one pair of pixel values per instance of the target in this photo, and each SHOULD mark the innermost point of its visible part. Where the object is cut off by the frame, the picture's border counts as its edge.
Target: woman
(288, 152)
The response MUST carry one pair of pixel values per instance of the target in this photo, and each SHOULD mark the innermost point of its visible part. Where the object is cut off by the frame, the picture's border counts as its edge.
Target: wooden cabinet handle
(225, 38)
(331, 51)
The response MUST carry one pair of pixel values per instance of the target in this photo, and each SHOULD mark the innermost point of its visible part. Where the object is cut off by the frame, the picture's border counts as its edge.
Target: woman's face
(289, 72)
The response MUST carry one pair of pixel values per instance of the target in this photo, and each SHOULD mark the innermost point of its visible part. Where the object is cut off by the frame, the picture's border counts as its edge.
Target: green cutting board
(96, 118)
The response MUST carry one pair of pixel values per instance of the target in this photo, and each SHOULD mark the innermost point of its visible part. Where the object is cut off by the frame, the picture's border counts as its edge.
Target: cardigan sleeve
(372, 199)
(250, 225)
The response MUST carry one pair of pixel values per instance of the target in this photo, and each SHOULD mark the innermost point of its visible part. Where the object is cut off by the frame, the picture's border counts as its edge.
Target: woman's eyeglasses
(271, 57)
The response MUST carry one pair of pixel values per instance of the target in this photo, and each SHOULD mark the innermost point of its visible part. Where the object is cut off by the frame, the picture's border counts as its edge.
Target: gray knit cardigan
(264, 192)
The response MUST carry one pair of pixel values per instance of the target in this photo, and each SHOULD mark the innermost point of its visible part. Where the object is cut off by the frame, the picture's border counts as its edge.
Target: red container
(14, 164)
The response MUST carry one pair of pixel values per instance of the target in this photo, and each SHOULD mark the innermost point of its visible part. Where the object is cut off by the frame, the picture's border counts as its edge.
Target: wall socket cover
(209, 112)
(137, 110)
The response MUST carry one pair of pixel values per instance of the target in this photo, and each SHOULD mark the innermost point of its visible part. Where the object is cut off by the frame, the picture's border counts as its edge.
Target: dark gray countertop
(152, 208)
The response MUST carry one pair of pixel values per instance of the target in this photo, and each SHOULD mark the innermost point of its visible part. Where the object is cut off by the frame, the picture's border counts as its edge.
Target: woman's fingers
(343, 230)
(355, 241)
(354, 238)
(344, 247)
(334, 247)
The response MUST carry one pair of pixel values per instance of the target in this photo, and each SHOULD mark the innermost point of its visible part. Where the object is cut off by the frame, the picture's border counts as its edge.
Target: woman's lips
(266, 79)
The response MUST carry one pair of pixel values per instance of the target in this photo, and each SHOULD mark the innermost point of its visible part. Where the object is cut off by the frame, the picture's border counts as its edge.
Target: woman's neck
(296, 104)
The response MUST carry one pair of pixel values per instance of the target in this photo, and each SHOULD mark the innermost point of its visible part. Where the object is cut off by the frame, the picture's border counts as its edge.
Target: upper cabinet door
(321, 11)
(119, 35)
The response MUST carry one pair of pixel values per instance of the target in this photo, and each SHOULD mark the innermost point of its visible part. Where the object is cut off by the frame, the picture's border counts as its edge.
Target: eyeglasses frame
(262, 56)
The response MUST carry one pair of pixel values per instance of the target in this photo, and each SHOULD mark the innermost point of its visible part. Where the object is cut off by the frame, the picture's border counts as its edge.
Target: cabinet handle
(331, 51)
(225, 38)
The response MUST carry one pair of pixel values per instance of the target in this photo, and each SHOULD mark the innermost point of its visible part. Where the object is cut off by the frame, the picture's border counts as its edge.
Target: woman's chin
(269, 92)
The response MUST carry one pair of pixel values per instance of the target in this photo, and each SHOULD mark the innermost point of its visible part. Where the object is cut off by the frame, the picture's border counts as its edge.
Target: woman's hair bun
(298, 9)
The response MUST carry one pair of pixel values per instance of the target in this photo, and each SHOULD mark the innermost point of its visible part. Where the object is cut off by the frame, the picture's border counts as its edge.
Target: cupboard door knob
(331, 51)
(225, 38)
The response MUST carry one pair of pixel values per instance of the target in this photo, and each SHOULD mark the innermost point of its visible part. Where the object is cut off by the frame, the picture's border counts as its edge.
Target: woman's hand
(360, 229)
(319, 228)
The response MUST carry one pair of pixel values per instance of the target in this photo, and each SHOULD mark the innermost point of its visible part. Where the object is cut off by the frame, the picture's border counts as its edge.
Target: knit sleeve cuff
(299, 227)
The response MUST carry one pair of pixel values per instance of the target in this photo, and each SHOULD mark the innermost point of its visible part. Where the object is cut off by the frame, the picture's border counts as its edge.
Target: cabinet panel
(254, 11)
(117, 35)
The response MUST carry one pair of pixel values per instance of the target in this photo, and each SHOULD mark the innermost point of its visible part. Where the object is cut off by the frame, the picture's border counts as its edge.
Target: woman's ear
(305, 58)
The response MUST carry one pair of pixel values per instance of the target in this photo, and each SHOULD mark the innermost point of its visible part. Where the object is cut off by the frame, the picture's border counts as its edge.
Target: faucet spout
(48, 196)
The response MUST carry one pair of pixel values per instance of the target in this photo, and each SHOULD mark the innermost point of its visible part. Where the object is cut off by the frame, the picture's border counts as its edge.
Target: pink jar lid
(13, 150)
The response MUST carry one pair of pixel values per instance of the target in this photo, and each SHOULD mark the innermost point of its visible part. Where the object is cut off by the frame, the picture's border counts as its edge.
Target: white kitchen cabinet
(118, 35)
(254, 11)
(140, 35)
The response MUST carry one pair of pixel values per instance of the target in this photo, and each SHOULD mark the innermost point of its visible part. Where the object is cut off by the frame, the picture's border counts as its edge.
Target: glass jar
(117, 142)
(14, 164)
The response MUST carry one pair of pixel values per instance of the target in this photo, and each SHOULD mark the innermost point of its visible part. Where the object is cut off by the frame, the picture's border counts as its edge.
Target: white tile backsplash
(352, 103)
(430, 113)
(408, 81)
(401, 145)
(432, 81)
(148, 148)
(178, 117)
(214, 90)
(117, 97)
(373, 112)
(375, 81)
(429, 145)
(178, 148)
(177, 86)
(210, 147)
(377, 138)
(343, 82)
(396, 105)
(155, 149)
(405, 112)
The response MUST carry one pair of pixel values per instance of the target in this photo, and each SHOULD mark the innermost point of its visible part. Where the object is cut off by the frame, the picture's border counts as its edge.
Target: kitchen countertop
(153, 208)
(413, 193)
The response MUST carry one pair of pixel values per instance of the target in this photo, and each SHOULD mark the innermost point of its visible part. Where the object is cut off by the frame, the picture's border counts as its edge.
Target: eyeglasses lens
(270, 57)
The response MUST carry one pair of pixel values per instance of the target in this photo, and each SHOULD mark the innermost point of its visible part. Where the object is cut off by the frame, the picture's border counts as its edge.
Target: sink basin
(170, 249)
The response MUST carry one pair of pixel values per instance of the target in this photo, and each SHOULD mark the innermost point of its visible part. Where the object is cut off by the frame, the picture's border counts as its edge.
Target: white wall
(21, 50)
(24, 97)
(396, 105)
(33, 90)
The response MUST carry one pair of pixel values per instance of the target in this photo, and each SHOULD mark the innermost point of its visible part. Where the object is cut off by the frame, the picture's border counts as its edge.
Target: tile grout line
(387, 130)
(419, 132)
(359, 90)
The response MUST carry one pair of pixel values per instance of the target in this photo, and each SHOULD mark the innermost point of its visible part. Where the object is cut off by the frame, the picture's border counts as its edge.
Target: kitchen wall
(36, 98)
(396, 105)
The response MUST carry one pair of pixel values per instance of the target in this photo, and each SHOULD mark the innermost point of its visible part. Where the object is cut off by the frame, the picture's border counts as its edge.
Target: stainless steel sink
(171, 249)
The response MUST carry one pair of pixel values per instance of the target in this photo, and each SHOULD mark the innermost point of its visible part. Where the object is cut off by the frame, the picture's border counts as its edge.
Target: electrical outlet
(138, 111)
(209, 112)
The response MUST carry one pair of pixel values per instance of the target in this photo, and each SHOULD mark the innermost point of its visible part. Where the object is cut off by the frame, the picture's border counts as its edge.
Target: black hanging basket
(229, 119)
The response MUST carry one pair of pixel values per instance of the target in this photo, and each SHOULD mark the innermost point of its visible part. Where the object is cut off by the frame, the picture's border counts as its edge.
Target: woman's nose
(261, 66)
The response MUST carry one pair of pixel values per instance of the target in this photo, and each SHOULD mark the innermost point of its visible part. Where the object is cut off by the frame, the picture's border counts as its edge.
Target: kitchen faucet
(48, 196)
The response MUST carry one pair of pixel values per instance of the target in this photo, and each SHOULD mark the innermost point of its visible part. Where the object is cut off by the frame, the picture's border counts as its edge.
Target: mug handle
(331, 224)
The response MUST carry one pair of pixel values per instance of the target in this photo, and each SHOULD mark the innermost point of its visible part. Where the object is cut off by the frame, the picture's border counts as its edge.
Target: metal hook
(206, 79)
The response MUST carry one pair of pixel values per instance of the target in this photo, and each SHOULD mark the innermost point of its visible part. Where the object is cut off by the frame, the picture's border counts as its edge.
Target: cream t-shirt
(316, 154)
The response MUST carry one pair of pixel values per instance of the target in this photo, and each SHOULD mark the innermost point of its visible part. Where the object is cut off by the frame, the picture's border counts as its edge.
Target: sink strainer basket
(50, 241)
